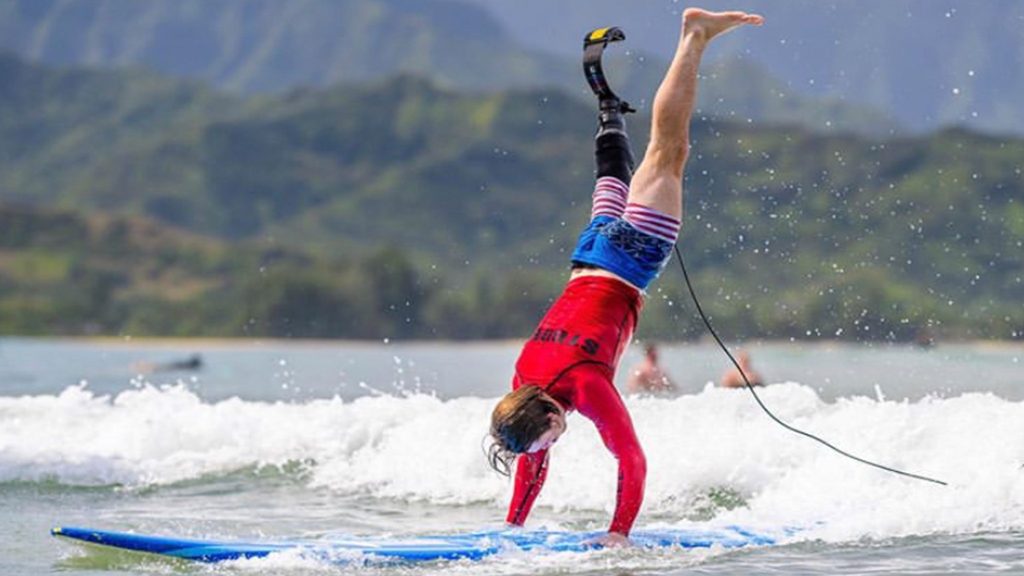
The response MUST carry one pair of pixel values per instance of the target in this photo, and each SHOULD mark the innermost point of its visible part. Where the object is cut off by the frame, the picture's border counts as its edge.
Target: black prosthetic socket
(613, 152)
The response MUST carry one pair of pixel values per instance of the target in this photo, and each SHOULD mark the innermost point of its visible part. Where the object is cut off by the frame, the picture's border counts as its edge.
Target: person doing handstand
(570, 360)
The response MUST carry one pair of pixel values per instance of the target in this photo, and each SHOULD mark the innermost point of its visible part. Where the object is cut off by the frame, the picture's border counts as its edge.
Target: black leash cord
(682, 266)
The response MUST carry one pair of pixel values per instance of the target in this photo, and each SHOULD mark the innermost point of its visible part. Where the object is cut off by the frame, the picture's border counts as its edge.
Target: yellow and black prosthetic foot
(613, 152)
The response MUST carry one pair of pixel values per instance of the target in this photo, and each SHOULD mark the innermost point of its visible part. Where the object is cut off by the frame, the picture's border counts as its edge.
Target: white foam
(421, 448)
(506, 562)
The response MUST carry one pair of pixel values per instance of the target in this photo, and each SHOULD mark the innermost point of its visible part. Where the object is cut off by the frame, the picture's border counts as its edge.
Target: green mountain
(456, 212)
(272, 45)
(250, 46)
(62, 130)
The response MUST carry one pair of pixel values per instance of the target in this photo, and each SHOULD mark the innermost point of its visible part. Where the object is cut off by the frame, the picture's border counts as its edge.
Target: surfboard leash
(594, 45)
(749, 386)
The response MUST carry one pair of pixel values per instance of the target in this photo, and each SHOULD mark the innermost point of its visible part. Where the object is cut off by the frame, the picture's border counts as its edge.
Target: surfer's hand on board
(611, 540)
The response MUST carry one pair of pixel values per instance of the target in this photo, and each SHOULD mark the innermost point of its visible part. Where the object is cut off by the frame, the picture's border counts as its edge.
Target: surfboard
(471, 546)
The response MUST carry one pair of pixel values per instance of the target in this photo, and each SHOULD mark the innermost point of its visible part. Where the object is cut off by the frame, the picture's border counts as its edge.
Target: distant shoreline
(226, 342)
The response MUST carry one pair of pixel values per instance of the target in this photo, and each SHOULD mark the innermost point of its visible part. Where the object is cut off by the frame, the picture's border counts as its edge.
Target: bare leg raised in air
(658, 181)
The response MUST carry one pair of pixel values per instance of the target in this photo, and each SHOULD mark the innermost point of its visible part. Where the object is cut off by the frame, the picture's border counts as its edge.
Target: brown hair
(517, 421)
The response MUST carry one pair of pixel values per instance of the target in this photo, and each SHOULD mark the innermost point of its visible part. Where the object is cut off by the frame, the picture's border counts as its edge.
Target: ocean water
(314, 439)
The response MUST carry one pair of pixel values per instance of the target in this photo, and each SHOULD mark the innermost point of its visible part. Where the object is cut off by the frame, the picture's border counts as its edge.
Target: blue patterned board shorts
(614, 245)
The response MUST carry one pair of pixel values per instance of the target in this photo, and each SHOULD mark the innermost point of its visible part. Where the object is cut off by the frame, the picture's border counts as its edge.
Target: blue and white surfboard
(470, 546)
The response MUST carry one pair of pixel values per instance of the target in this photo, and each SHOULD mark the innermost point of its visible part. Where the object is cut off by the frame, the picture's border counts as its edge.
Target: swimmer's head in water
(651, 351)
(525, 420)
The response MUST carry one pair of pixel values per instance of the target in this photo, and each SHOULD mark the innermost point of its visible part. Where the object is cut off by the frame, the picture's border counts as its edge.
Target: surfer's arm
(603, 405)
(531, 471)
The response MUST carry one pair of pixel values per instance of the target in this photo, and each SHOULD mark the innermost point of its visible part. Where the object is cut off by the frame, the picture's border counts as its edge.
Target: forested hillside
(471, 201)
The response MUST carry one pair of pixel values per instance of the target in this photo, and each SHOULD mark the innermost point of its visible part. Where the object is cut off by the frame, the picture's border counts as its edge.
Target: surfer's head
(525, 420)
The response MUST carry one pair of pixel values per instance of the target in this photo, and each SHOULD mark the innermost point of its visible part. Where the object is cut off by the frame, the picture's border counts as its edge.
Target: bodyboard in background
(471, 546)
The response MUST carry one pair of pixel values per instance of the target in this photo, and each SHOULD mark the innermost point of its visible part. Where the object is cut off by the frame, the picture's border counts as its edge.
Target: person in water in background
(647, 376)
(569, 361)
(193, 362)
(732, 377)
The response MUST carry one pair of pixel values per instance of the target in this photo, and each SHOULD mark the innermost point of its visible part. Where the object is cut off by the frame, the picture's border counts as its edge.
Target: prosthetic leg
(613, 152)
